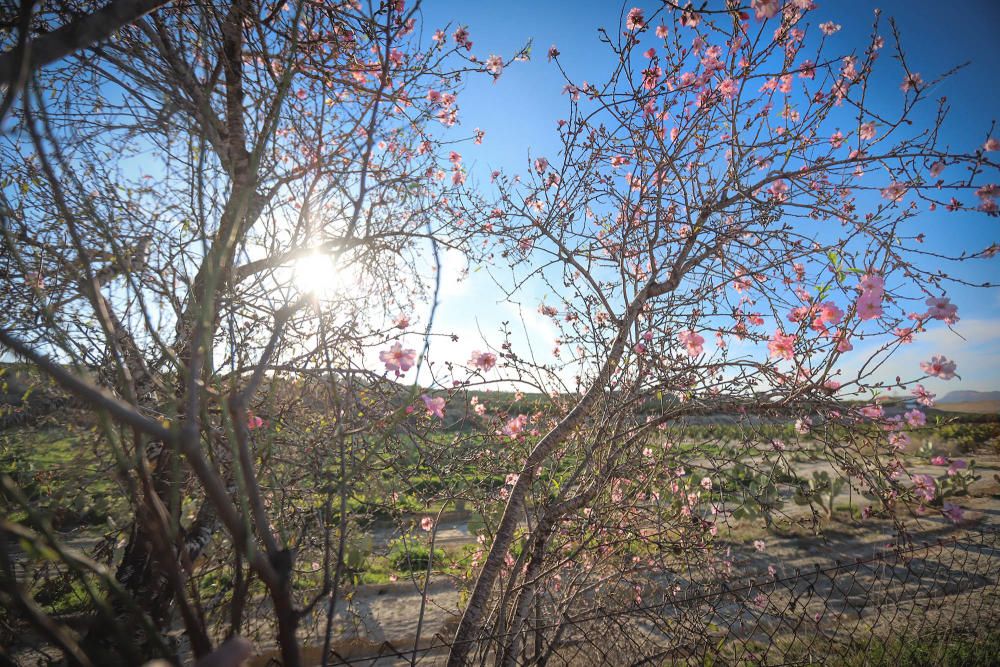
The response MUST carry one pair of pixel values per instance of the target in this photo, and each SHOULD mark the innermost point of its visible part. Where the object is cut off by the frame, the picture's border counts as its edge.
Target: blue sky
(519, 112)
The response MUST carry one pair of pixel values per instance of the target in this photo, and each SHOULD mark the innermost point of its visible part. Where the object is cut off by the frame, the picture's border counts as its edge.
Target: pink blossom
(872, 411)
(253, 421)
(939, 367)
(829, 27)
(872, 282)
(942, 309)
(954, 512)
(402, 322)
(937, 168)
(435, 405)
(427, 523)
(837, 139)
(779, 190)
(955, 466)
(989, 191)
(869, 306)
(899, 440)
(635, 19)
(992, 144)
(760, 545)
(781, 345)
(661, 31)
(484, 361)
(803, 425)
(912, 81)
(924, 486)
(397, 359)
(728, 88)
(939, 460)
(461, 37)
(553, 52)
(894, 191)
(515, 426)
(706, 483)
(867, 131)
(692, 341)
(829, 313)
(494, 65)
(807, 70)
(916, 418)
(924, 397)
(690, 18)
(765, 9)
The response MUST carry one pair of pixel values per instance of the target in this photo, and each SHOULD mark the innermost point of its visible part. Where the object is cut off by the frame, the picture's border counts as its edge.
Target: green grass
(964, 651)
(59, 470)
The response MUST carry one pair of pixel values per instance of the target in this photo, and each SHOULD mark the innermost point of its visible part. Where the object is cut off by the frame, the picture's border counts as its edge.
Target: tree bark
(471, 623)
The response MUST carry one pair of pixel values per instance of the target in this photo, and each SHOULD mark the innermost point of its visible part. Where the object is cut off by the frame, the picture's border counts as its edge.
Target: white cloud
(973, 345)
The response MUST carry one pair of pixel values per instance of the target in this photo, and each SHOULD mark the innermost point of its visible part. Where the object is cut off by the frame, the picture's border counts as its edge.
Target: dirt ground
(382, 620)
(378, 624)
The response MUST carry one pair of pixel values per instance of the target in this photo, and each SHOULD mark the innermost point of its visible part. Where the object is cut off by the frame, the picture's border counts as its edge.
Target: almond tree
(729, 214)
(163, 191)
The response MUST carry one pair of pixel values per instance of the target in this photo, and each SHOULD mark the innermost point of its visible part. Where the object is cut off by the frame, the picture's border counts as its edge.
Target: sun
(316, 274)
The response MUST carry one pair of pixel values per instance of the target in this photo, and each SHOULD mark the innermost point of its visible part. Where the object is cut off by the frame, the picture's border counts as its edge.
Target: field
(401, 596)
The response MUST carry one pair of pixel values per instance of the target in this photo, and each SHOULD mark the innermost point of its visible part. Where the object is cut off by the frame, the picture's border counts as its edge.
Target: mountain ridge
(969, 396)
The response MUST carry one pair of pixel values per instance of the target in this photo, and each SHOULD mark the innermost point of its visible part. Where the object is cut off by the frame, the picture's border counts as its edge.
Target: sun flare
(317, 274)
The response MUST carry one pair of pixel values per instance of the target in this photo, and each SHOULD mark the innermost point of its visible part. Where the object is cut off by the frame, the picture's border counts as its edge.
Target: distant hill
(969, 396)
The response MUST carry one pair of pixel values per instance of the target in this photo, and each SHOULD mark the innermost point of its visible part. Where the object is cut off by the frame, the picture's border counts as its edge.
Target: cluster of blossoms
(781, 345)
(435, 405)
(515, 426)
(953, 465)
(447, 113)
(692, 342)
(822, 315)
(924, 487)
(869, 304)
(923, 396)
(253, 421)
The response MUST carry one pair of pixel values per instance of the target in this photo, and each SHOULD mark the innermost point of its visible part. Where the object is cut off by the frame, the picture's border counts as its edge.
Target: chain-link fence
(925, 603)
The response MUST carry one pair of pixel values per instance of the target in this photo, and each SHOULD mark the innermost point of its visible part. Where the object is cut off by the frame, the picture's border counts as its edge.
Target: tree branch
(81, 33)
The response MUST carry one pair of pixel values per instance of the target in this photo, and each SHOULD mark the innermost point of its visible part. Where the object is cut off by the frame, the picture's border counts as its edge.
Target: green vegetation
(980, 650)
(61, 473)
(408, 555)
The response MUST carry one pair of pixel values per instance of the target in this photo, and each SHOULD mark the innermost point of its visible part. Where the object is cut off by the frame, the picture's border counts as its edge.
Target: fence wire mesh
(901, 605)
